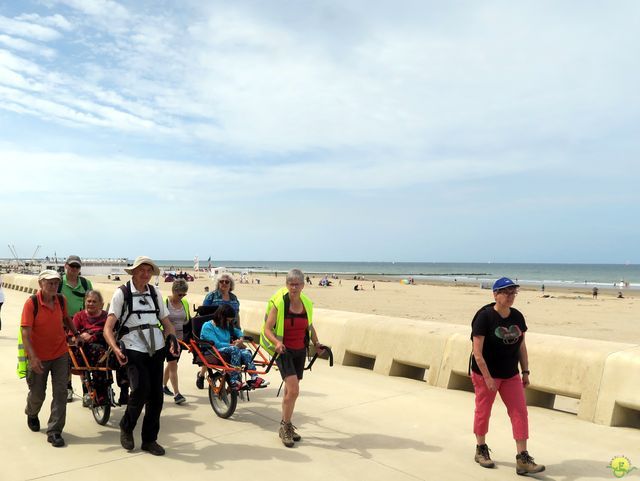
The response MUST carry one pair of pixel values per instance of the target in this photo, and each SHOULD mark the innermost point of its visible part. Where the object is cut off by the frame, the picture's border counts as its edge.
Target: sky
(331, 130)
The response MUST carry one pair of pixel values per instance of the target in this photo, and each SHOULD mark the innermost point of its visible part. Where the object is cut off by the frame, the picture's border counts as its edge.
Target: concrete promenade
(356, 425)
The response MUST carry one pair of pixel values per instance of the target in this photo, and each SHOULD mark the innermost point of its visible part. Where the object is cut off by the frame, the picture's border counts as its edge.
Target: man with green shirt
(73, 287)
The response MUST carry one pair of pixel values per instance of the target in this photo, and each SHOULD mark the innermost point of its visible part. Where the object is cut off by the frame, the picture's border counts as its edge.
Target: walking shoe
(69, 395)
(286, 434)
(56, 440)
(167, 391)
(525, 464)
(153, 447)
(126, 439)
(295, 436)
(34, 423)
(482, 456)
(200, 381)
(179, 399)
(257, 383)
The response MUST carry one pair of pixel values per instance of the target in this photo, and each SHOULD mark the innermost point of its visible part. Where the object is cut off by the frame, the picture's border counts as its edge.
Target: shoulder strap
(127, 305)
(154, 298)
(34, 300)
(85, 284)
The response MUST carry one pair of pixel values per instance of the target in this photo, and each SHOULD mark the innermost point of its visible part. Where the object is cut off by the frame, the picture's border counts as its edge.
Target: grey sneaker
(86, 400)
(482, 456)
(69, 395)
(179, 399)
(525, 464)
(286, 434)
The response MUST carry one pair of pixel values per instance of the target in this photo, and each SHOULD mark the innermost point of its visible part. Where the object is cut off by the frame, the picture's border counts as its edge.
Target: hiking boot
(167, 391)
(286, 434)
(200, 381)
(126, 439)
(295, 436)
(34, 423)
(525, 464)
(153, 447)
(69, 395)
(56, 440)
(482, 456)
(179, 399)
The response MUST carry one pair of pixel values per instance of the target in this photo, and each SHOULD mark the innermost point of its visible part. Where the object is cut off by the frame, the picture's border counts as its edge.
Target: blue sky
(329, 130)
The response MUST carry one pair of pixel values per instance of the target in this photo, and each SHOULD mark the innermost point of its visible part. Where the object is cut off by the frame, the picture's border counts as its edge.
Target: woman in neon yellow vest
(287, 330)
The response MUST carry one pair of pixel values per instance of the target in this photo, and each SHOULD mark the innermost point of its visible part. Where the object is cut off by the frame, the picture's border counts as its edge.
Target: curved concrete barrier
(619, 398)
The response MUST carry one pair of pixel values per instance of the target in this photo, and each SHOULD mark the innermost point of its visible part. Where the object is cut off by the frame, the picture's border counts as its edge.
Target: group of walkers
(142, 331)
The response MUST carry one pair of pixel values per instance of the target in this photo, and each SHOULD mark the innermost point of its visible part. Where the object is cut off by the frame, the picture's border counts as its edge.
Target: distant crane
(34, 254)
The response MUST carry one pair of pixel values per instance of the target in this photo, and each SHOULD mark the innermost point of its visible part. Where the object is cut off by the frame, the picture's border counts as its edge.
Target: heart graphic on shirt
(508, 335)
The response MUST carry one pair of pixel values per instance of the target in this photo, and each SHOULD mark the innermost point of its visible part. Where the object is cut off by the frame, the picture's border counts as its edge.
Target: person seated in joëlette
(228, 341)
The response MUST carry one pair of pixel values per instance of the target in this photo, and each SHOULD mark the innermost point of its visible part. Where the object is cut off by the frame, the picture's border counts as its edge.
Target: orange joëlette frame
(224, 365)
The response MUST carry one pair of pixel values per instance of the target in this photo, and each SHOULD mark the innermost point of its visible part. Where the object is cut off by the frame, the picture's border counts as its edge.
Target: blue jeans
(238, 357)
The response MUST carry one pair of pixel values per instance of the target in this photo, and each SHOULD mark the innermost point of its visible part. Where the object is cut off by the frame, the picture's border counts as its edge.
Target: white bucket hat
(48, 274)
(143, 260)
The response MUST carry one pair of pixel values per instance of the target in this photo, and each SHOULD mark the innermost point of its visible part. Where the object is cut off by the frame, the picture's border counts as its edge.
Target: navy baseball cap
(502, 283)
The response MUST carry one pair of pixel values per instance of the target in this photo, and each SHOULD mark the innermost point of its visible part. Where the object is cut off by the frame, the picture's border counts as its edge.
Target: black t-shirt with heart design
(502, 339)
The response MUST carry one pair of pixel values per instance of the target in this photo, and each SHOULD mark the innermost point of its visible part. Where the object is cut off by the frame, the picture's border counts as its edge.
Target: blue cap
(502, 283)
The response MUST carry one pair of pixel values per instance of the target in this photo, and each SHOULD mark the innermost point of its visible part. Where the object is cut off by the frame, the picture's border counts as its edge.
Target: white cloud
(27, 29)
(26, 46)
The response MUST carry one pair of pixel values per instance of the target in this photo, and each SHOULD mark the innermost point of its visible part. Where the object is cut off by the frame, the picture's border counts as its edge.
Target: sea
(615, 276)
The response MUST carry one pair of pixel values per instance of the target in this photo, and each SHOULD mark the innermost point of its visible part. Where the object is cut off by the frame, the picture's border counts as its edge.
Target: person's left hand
(525, 380)
(319, 348)
(238, 343)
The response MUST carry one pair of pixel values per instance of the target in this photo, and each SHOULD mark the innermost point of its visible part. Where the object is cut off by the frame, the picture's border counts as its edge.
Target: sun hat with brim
(503, 283)
(48, 274)
(143, 260)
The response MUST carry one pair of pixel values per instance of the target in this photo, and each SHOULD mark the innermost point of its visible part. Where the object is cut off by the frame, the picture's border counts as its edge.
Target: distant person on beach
(179, 315)
(137, 309)
(73, 287)
(542, 288)
(44, 318)
(620, 296)
(287, 329)
(356, 287)
(595, 292)
(220, 296)
(498, 335)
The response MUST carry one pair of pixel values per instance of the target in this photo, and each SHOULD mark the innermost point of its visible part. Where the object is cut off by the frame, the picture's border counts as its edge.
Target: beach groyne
(599, 375)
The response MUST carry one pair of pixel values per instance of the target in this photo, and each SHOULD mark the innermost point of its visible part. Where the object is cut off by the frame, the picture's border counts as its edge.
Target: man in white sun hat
(132, 331)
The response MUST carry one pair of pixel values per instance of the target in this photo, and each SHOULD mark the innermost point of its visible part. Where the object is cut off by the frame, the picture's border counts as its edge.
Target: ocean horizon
(570, 275)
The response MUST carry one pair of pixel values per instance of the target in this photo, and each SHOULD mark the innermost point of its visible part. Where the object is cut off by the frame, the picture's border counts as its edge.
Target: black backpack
(34, 300)
(120, 328)
(83, 282)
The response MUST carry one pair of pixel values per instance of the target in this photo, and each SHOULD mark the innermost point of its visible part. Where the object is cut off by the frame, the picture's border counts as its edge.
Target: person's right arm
(25, 326)
(34, 361)
(110, 337)
(478, 344)
(269, 328)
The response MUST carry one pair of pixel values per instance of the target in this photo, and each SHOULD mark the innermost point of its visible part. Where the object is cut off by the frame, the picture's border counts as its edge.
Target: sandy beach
(562, 312)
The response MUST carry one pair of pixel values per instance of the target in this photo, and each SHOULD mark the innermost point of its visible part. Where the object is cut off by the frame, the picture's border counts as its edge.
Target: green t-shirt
(74, 295)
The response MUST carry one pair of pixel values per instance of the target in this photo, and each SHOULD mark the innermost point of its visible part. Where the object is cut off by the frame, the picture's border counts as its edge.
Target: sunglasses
(181, 295)
(224, 281)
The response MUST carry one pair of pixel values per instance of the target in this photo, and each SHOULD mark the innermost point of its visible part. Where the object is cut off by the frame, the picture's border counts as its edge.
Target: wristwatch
(526, 372)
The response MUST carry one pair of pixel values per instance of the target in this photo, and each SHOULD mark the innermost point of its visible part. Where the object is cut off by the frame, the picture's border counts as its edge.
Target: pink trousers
(512, 393)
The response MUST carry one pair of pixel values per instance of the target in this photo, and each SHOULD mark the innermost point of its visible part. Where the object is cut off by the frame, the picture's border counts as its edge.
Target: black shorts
(292, 362)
